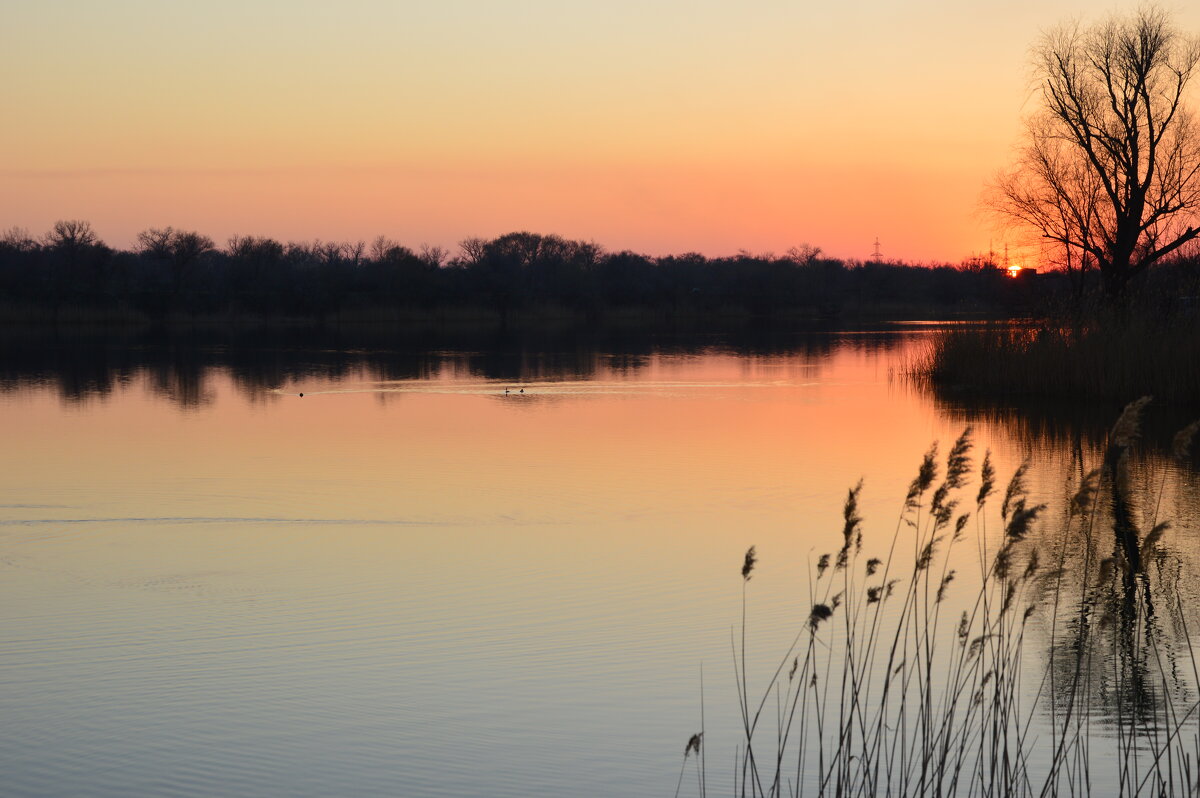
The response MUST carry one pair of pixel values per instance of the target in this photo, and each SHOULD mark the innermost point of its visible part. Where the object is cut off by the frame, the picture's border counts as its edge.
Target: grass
(885, 691)
(1106, 357)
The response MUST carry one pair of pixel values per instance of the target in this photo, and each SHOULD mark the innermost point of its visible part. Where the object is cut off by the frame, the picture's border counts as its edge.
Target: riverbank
(483, 318)
(1105, 358)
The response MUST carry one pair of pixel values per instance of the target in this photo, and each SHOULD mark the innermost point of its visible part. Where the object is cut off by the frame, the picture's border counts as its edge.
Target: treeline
(174, 273)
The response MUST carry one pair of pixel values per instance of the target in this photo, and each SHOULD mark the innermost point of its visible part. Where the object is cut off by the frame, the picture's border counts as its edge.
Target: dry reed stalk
(864, 727)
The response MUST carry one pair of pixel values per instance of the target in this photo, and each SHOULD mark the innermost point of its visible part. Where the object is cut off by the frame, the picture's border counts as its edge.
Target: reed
(1104, 357)
(879, 694)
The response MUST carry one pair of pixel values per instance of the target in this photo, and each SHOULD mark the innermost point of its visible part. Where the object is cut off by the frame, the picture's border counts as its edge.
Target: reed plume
(1088, 486)
(748, 563)
(958, 462)
(926, 473)
(1155, 535)
(946, 580)
(1129, 424)
(1181, 445)
(1016, 488)
(1021, 519)
(987, 479)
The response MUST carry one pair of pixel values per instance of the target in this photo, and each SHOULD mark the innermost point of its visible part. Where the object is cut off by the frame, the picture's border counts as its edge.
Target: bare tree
(181, 249)
(18, 239)
(433, 256)
(190, 247)
(1110, 171)
(380, 247)
(330, 252)
(255, 248)
(473, 250)
(803, 255)
(70, 235)
(155, 242)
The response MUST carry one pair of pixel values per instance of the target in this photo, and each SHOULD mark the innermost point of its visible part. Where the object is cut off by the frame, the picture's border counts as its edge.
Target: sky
(660, 126)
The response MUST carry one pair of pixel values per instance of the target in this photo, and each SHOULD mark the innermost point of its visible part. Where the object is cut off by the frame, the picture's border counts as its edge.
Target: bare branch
(1111, 165)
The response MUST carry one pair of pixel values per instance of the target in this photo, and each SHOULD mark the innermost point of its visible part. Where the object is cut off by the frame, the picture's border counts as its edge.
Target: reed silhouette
(1104, 357)
(877, 694)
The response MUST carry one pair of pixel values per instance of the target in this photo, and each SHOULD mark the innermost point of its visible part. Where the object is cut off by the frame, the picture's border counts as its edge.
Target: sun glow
(662, 127)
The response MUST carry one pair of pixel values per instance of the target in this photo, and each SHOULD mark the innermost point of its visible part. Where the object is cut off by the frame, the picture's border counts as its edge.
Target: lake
(462, 567)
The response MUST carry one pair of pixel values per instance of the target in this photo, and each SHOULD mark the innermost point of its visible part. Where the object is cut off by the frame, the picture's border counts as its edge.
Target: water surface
(417, 579)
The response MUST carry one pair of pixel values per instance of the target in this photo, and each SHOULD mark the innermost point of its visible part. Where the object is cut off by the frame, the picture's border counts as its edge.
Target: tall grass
(1106, 356)
(885, 691)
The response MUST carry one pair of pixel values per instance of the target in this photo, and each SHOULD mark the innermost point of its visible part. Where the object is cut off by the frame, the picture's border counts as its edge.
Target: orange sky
(663, 127)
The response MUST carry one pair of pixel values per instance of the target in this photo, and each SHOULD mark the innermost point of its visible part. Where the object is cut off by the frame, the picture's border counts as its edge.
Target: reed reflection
(1120, 599)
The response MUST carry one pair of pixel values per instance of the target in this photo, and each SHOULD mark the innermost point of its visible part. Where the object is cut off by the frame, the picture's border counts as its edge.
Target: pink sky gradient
(667, 127)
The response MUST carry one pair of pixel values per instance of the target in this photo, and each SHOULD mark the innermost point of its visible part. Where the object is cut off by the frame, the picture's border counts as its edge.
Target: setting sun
(609, 398)
(661, 127)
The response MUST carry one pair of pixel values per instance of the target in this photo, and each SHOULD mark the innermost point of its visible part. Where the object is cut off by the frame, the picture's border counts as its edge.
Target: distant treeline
(69, 273)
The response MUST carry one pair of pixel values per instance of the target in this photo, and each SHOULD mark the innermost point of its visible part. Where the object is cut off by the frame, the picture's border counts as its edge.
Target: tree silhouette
(1110, 171)
(71, 235)
(179, 249)
(171, 274)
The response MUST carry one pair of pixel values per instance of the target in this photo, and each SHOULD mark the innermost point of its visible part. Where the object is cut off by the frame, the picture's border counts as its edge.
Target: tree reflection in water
(179, 366)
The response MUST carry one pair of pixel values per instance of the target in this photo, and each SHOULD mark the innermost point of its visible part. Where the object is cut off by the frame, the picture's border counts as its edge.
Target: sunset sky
(657, 125)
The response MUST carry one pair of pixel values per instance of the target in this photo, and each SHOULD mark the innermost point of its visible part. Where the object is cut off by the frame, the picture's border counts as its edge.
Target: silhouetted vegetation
(1108, 181)
(70, 275)
(894, 685)
(1084, 351)
(1109, 175)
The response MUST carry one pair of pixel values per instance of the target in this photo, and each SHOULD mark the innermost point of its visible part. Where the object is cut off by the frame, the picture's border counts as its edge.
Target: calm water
(410, 583)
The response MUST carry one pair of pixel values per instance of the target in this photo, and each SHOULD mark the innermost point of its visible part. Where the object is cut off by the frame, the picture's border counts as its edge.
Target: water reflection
(1119, 603)
(1134, 609)
(500, 575)
(180, 367)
